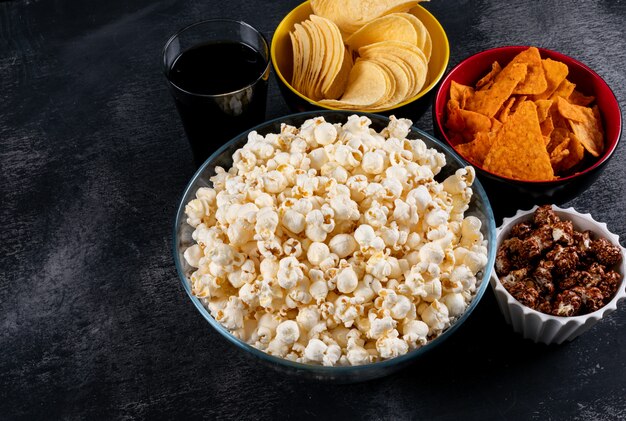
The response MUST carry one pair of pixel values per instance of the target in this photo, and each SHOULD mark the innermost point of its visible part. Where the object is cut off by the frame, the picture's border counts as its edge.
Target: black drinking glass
(217, 71)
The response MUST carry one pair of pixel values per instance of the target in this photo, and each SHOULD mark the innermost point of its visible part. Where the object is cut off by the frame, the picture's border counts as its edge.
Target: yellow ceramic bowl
(282, 57)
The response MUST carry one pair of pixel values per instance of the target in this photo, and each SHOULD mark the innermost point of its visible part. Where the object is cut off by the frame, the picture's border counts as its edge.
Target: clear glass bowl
(479, 207)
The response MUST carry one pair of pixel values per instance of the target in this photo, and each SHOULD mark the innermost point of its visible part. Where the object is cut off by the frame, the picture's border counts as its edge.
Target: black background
(93, 160)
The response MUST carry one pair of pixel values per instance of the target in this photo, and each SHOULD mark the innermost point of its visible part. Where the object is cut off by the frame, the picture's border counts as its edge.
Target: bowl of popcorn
(337, 245)
(557, 273)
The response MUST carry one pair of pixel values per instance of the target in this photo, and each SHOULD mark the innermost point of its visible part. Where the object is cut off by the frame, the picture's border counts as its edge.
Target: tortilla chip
(489, 77)
(590, 131)
(535, 81)
(455, 121)
(564, 90)
(559, 153)
(467, 122)
(577, 98)
(570, 111)
(576, 154)
(558, 136)
(489, 101)
(456, 138)
(519, 151)
(518, 101)
(547, 126)
(460, 93)
(476, 150)
(504, 112)
(543, 108)
(555, 72)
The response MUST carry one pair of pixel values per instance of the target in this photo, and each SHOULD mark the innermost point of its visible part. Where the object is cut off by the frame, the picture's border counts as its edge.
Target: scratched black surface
(93, 321)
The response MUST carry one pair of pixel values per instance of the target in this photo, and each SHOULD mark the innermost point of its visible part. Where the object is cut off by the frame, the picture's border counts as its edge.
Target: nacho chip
(577, 98)
(460, 93)
(489, 101)
(558, 136)
(571, 111)
(576, 154)
(519, 151)
(535, 81)
(504, 112)
(590, 131)
(564, 90)
(555, 73)
(455, 120)
(489, 77)
(518, 101)
(559, 153)
(476, 150)
(543, 108)
(547, 126)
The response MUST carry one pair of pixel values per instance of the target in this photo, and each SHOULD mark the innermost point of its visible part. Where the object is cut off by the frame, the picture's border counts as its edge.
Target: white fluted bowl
(546, 328)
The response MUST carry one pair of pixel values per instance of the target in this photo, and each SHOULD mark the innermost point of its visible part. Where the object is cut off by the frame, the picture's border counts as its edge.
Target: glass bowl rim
(337, 370)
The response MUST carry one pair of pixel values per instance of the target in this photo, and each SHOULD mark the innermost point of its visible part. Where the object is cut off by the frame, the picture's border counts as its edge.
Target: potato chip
(519, 151)
(332, 53)
(350, 15)
(390, 27)
(487, 80)
(400, 78)
(367, 85)
(535, 81)
(476, 150)
(301, 51)
(338, 83)
(424, 41)
(489, 101)
(412, 56)
(316, 63)
(555, 73)
(577, 98)
(381, 31)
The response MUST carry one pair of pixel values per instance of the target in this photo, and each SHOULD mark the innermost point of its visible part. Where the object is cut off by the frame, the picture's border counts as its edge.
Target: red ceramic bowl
(509, 194)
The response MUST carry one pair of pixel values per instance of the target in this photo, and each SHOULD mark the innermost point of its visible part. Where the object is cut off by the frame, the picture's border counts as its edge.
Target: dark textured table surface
(93, 320)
